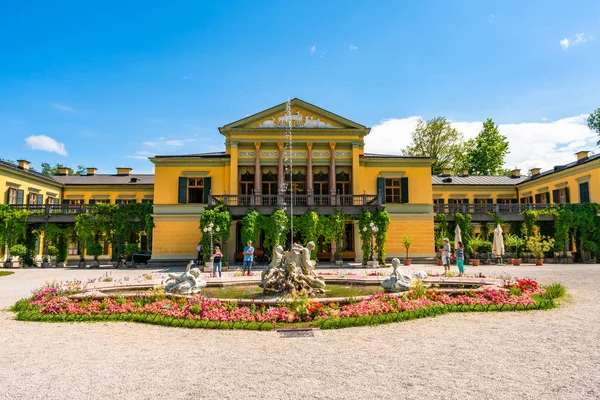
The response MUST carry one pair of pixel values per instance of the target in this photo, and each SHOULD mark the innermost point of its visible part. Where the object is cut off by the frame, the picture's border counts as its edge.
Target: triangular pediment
(303, 115)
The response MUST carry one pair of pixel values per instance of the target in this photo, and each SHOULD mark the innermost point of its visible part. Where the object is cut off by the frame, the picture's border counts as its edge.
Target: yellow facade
(30, 187)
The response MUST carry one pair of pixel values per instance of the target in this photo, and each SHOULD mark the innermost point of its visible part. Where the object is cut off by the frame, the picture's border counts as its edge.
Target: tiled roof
(558, 168)
(35, 174)
(105, 179)
(216, 154)
(477, 180)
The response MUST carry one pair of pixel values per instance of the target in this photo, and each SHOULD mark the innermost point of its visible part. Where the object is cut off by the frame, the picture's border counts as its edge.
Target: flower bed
(53, 304)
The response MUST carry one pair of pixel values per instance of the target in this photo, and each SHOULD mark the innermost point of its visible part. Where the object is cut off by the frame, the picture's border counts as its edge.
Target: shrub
(95, 250)
(406, 241)
(52, 251)
(130, 250)
(538, 245)
(515, 242)
(555, 291)
(20, 251)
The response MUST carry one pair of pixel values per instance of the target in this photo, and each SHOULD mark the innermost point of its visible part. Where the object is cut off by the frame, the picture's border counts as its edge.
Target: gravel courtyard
(527, 355)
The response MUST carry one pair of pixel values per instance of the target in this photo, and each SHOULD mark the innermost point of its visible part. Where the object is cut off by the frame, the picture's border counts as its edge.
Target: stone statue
(398, 281)
(420, 275)
(188, 282)
(292, 272)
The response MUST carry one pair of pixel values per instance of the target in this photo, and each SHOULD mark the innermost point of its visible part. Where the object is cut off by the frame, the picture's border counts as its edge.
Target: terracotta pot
(408, 260)
(475, 263)
(439, 262)
(539, 261)
(516, 261)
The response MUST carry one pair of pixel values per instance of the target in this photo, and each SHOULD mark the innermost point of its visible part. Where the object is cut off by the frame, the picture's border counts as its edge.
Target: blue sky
(104, 78)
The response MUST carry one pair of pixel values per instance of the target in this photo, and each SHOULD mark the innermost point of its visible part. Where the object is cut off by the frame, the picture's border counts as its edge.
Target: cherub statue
(188, 282)
(273, 268)
(398, 281)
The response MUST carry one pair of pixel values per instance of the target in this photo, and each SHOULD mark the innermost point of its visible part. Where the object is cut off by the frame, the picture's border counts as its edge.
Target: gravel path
(528, 355)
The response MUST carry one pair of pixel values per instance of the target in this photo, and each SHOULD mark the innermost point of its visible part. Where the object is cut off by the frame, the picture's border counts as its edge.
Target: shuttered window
(396, 190)
(584, 192)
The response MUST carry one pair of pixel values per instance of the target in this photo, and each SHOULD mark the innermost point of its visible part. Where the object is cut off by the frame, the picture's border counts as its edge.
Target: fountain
(292, 271)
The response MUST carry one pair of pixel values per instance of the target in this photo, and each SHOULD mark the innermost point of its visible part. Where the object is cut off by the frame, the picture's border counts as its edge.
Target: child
(446, 255)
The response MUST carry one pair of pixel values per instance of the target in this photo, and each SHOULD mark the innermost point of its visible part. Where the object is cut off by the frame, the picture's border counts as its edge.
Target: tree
(435, 138)
(48, 169)
(486, 157)
(593, 122)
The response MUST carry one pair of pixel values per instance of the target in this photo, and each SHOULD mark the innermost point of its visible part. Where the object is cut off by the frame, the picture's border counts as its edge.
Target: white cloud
(312, 49)
(352, 47)
(532, 144)
(46, 143)
(149, 144)
(576, 39)
(62, 107)
(174, 143)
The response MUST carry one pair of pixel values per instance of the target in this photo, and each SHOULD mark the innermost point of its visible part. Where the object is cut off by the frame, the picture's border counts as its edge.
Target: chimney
(91, 171)
(465, 172)
(446, 172)
(515, 173)
(123, 171)
(63, 171)
(23, 164)
(581, 155)
(535, 171)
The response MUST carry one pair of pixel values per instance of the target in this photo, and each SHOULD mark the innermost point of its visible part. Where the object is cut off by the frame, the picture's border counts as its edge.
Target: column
(257, 176)
(233, 169)
(309, 174)
(332, 191)
(356, 184)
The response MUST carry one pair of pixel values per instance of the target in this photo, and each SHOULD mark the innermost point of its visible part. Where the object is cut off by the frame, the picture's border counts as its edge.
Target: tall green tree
(489, 148)
(436, 138)
(48, 169)
(593, 122)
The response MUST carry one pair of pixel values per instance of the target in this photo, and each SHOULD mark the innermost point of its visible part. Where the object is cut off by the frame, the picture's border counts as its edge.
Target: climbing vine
(364, 220)
(308, 228)
(250, 226)
(13, 225)
(219, 218)
(466, 229)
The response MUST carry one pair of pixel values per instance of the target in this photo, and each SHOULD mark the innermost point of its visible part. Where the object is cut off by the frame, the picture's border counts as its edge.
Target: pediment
(303, 115)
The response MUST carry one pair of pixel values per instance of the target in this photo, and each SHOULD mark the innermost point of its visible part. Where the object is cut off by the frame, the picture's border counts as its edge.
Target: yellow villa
(331, 172)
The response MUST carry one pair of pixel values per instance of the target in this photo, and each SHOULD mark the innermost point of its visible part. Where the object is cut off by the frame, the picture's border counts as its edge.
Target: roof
(216, 154)
(374, 155)
(105, 179)
(33, 174)
(477, 180)
(558, 168)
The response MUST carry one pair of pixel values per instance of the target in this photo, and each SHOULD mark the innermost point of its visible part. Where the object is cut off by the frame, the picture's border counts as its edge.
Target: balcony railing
(55, 209)
(486, 208)
(299, 200)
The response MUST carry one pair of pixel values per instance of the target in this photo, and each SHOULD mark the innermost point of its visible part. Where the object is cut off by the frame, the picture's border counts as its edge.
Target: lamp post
(372, 229)
(211, 229)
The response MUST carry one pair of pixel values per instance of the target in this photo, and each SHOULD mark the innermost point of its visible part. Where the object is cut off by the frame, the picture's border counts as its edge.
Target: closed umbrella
(498, 245)
(457, 236)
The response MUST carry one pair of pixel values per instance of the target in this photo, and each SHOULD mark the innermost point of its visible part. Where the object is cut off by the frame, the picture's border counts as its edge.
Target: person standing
(248, 257)
(217, 257)
(200, 258)
(446, 255)
(460, 258)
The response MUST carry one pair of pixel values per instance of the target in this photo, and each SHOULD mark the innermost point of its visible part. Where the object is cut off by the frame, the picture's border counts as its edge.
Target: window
(342, 180)
(458, 201)
(246, 180)
(269, 185)
(321, 185)
(125, 201)
(392, 191)
(103, 201)
(482, 201)
(438, 201)
(195, 190)
(560, 196)
(12, 196)
(50, 200)
(584, 192)
(32, 199)
(298, 180)
(505, 201)
(542, 198)
(73, 248)
(526, 200)
(150, 201)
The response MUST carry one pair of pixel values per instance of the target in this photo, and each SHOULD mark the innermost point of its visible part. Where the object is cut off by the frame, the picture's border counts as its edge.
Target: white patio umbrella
(498, 245)
(457, 236)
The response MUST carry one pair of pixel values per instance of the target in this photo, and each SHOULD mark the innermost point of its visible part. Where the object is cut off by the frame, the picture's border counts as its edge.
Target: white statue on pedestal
(398, 281)
(189, 282)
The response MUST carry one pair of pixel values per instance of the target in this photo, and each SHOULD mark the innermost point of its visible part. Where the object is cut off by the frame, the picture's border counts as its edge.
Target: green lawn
(4, 273)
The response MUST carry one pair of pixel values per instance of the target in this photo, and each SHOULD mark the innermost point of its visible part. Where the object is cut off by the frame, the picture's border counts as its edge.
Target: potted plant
(538, 245)
(20, 251)
(407, 241)
(52, 253)
(129, 251)
(95, 250)
(474, 245)
(516, 243)
(590, 247)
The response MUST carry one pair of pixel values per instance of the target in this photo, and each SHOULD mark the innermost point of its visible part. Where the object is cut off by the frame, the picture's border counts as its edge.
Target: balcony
(238, 205)
(481, 212)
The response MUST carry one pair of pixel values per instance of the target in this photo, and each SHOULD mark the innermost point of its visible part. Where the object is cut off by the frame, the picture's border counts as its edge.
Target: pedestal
(373, 264)
(208, 266)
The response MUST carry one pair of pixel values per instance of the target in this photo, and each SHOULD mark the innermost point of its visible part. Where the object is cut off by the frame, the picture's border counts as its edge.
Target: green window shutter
(381, 188)
(584, 192)
(7, 197)
(92, 202)
(57, 201)
(183, 190)
(490, 201)
(40, 199)
(65, 201)
(207, 186)
(567, 197)
(20, 196)
(538, 198)
(450, 201)
(466, 201)
(144, 201)
(555, 197)
(441, 201)
(513, 201)
(118, 201)
(404, 190)
(133, 201)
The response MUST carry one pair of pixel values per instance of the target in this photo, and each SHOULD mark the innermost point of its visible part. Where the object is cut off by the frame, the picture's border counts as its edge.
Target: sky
(108, 84)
